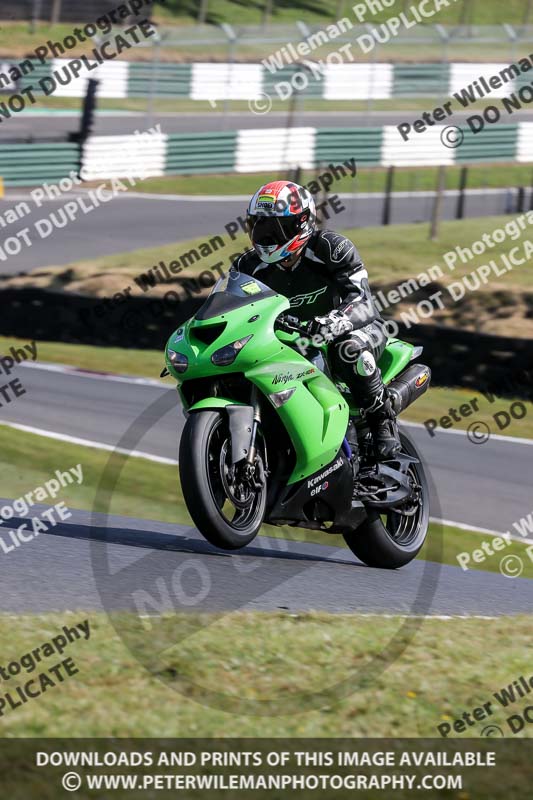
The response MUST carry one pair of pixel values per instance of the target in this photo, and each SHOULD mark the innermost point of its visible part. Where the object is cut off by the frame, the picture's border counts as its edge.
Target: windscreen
(240, 285)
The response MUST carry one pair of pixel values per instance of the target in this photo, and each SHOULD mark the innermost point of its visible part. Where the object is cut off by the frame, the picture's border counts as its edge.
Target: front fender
(240, 419)
(214, 402)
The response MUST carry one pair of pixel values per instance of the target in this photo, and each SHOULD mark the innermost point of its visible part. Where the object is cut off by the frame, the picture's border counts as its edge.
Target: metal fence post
(437, 205)
(463, 180)
(387, 204)
(268, 8)
(232, 42)
(154, 77)
(35, 15)
(202, 12)
(340, 8)
(513, 36)
(445, 40)
(56, 12)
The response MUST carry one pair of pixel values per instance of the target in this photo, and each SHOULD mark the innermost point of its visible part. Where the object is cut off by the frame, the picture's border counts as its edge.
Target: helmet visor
(267, 231)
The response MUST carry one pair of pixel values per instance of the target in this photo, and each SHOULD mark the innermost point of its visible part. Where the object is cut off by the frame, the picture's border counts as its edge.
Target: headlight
(227, 355)
(279, 399)
(178, 360)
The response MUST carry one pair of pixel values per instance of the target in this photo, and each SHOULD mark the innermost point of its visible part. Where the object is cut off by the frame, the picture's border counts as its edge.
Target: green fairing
(316, 415)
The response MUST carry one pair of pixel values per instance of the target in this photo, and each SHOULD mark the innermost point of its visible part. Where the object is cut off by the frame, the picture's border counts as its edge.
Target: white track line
(474, 529)
(63, 437)
(493, 437)
(101, 376)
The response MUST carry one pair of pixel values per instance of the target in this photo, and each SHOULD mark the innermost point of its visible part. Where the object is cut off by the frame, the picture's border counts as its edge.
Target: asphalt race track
(75, 572)
(131, 221)
(269, 574)
(54, 124)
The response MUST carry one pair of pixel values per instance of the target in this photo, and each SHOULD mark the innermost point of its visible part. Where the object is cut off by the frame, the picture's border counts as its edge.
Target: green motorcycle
(271, 438)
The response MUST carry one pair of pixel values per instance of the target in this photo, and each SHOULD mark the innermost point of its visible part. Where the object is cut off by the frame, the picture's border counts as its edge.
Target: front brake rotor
(237, 492)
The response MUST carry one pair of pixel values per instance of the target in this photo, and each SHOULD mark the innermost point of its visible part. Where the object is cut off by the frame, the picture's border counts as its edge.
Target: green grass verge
(366, 180)
(148, 490)
(175, 12)
(269, 656)
(411, 105)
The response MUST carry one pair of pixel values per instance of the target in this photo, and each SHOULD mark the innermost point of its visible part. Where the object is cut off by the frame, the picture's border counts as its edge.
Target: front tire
(394, 539)
(225, 509)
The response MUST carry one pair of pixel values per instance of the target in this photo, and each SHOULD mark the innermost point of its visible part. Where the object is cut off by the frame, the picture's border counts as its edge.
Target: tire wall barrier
(212, 81)
(256, 150)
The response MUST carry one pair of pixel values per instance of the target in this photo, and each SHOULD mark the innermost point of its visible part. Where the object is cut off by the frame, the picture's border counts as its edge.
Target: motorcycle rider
(323, 276)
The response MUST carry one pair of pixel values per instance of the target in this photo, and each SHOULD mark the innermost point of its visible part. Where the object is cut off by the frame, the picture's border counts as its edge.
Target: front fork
(254, 402)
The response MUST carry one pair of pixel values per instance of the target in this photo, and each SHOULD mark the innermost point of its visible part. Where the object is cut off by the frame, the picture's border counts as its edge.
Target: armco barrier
(30, 164)
(338, 144)
(457, 357)
(191, 153)
(166, 80)
(277, 149)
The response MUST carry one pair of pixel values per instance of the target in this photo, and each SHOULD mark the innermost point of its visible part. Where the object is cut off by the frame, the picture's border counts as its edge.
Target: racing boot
(376, 408)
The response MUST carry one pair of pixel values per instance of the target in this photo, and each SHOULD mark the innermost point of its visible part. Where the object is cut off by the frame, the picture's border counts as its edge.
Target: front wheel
(226, 501)
(393, 539)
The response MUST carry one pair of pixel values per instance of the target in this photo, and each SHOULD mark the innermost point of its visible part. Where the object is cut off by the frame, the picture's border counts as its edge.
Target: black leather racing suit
(330, 281)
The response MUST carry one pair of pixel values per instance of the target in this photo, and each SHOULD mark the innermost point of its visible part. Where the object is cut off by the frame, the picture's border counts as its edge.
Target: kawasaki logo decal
(319, 478)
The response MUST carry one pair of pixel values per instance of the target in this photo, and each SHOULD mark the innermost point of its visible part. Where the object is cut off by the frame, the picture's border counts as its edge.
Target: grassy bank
(500, 305)
(392, 254)
(366, 180)
(269, 657)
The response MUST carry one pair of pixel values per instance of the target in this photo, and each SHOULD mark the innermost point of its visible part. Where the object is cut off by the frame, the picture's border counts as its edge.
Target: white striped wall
(358, 81)
(214, 81)
(421, 150)
(275, 149)
(462, 75)
(112, 77)
(141, 156)
(226, 81)
(272, 149)
(525, 142)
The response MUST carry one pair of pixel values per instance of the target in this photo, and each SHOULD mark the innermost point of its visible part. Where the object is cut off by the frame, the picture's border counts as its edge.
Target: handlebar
(291, 324)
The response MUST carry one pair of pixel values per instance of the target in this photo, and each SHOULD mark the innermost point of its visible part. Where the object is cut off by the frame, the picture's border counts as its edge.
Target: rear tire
(395, 539)
(203, 457)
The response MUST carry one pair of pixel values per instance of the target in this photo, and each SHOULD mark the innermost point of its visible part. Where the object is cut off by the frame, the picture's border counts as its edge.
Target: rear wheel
(393, 539)
(226, 501)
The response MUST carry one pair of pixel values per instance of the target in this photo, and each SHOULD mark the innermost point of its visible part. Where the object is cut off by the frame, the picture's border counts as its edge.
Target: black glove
(330, 327)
